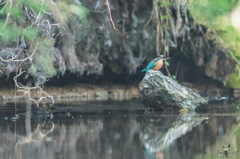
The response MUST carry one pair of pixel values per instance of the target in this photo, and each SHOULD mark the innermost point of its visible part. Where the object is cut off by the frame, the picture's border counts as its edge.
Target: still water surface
(118, 130)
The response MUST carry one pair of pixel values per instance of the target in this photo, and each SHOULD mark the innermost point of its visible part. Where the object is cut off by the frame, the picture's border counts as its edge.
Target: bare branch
(109, 11)
(27, 91)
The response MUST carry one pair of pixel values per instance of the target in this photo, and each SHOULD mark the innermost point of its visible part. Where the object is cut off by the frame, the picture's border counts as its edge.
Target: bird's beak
(165, 58)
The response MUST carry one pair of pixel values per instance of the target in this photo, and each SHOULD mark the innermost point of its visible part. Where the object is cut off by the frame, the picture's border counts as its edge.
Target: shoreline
(89, 92)
(77, 93)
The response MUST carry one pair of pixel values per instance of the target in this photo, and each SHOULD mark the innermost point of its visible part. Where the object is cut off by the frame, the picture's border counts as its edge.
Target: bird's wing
(150, 65)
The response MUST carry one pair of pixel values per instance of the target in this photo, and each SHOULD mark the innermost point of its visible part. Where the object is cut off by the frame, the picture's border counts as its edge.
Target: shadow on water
(117, 130)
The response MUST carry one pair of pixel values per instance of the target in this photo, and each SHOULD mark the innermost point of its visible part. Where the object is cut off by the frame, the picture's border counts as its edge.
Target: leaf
(169, 11)
(166, 63)
(166, 48)
(164, 26)
(224, 83)
(167, 3)
(173, 76)
(164, 17)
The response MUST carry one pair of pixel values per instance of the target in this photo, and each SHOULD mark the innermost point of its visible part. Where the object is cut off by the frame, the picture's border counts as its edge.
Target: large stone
(161, 92)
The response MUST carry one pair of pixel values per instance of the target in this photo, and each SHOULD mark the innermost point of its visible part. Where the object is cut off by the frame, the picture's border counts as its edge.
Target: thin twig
(8, 14)
(148, 20)
(109, 11)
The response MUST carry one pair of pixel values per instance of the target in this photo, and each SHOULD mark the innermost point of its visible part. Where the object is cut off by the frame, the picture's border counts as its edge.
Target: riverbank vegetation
(106, 41)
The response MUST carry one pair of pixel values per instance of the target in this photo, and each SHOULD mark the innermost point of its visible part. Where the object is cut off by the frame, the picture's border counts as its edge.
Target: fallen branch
(27, 91)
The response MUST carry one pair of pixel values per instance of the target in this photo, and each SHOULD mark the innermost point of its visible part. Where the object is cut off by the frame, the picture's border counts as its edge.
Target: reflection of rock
(156, 136)
(162, 92)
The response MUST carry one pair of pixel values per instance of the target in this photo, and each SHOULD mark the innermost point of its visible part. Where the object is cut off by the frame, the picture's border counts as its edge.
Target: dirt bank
(76, 92)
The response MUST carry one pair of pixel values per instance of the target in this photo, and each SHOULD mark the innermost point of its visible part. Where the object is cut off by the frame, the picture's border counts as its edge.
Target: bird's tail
(143, 70)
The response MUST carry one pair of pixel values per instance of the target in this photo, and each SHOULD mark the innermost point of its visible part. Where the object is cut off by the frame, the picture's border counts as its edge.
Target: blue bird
(156, 64)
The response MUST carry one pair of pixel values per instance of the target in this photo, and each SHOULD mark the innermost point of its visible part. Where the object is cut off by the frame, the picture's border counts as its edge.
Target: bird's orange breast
(158, 65)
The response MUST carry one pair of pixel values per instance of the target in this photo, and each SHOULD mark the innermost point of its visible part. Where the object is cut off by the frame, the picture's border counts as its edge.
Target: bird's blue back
(150, 65)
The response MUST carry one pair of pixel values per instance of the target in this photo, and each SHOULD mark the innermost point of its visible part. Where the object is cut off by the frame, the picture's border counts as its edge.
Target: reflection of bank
(39, 136)
(156, 136)
(61, 140)
(53, 140)
(28, 144)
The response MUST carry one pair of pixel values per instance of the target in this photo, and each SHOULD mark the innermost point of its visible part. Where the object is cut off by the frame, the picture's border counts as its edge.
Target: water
(117, 130)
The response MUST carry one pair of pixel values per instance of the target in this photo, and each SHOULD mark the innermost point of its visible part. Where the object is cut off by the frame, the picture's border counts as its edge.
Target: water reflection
(160, 133)
(115, 133)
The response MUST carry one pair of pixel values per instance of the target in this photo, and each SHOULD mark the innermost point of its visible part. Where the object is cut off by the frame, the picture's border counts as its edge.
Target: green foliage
(15, 13)
(166, 48)
(43, 60)
(164, 17)
(31, 33)
(33, 70)
(13, 26)
(164, 26)
(166, 63)
(233, 81)
(222, 17)
(68, 9)
(175, 78)
(166, 4)
(36, 6)
(46, 64)
(235, 130)
(31, 20)
(46, 45)
(206, 12)
(8, 34)
(224, 83)
(80, 11)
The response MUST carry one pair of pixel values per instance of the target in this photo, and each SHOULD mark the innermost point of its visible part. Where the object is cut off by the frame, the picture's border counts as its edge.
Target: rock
(161, 92)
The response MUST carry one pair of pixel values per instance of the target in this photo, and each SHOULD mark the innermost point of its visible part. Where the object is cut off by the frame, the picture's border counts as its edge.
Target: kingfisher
(156, 64)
